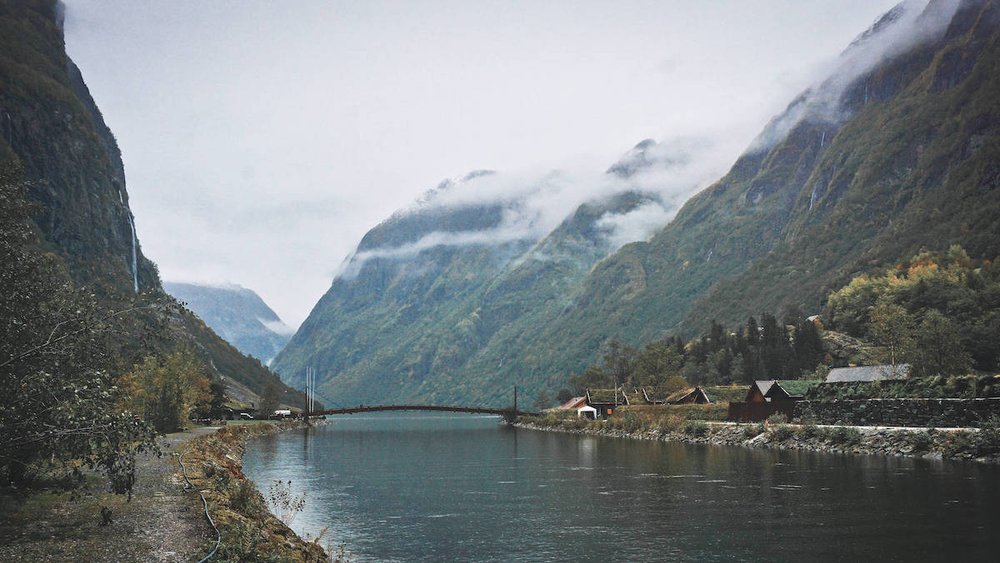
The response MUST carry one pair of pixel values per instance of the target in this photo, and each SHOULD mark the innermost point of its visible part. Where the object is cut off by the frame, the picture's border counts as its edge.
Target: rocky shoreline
(214, 465)
(930, 443)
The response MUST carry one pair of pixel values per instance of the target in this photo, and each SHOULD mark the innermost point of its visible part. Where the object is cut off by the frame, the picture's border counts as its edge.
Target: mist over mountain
(445, 284)
(238, 315)
(494, 280)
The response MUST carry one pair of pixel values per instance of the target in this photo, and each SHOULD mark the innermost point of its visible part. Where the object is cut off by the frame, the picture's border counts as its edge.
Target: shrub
(781, 432)
(283, 503)
(631, 422)
(777, 418)
(844, 436)
(671, 423)
(753, 430)
(713, 412)
(240, 541)
(809, 430)
(920, 441)
(244, 497)
(696, 428)
(988, 437)
(960, 443)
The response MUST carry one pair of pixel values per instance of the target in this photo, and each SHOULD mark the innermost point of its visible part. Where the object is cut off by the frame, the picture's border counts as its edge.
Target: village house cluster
(763, 398)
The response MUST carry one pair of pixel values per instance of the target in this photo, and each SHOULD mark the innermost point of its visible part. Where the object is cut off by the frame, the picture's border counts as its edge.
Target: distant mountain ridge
(238, 315)
(897, 150)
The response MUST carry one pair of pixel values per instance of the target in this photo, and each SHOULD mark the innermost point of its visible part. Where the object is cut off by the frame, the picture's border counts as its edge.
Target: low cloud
(536, 201)
(277, 327)
(910, 23)
(639, 224)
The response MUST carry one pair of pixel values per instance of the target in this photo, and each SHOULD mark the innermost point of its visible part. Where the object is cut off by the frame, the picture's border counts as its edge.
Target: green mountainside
(896, 151)
(51, 129)
(237, 314)
(398, 327)
(912, 164)
(917, 167)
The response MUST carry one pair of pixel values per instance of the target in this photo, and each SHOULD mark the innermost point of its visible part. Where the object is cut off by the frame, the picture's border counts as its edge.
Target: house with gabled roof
(580, 406)
(689, 396)
(758, 391)
(573, 404)
(606, 401)
(768, 390)
(789, 389)
(770, 396)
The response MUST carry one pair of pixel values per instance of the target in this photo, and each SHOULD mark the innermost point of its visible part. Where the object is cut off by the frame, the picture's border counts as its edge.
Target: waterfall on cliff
(135, 254)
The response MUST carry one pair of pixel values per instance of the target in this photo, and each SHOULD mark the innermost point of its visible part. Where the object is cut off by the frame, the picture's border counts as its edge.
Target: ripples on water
(465, 488)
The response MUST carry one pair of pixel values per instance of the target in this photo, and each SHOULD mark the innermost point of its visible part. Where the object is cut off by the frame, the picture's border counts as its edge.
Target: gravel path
(162, 523)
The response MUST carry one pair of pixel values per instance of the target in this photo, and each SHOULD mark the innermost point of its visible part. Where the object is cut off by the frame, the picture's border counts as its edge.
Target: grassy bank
(700, 424)
(250, 532)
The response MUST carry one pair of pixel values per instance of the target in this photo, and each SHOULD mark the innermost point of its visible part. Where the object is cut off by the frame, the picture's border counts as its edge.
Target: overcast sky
(261, 140)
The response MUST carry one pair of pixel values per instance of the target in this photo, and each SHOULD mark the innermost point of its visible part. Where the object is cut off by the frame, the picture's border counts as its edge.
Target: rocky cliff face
(895, 151)
(238, 315)
(52, 130)
(52, 127)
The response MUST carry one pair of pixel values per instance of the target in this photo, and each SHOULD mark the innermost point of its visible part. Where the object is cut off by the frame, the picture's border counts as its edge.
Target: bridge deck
(436, 408)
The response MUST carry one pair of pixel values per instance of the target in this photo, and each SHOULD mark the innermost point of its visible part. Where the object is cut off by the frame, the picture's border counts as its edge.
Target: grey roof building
(868, 373)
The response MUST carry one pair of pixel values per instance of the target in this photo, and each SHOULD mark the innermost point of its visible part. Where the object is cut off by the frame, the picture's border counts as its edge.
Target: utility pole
(310, 390)
(515, 398)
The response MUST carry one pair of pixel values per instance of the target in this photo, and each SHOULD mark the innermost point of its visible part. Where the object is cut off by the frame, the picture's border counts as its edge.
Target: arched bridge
(508, 413)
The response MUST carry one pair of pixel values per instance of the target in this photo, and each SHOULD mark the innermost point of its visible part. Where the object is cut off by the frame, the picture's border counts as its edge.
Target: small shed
(868, 373)
(586, 411)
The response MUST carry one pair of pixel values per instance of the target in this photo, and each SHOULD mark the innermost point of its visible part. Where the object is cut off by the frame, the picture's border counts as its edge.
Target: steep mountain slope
(51, 126)
(919, 169)
(862, 171)
(238, 315)
(896, 150)
(52, 130)
(438, 288)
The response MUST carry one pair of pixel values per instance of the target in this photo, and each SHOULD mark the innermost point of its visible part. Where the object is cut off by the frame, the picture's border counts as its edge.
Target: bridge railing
(508, 412)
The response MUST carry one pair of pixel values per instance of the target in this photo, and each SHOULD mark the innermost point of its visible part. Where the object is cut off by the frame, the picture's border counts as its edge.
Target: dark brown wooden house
(606, 401)
(767, 397)
(758, 391)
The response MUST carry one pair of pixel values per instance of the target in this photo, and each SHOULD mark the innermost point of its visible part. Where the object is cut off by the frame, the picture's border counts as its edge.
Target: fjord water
(465, 488)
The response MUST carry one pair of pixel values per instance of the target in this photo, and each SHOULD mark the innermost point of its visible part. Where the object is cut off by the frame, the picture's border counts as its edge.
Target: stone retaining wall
(899, 412)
